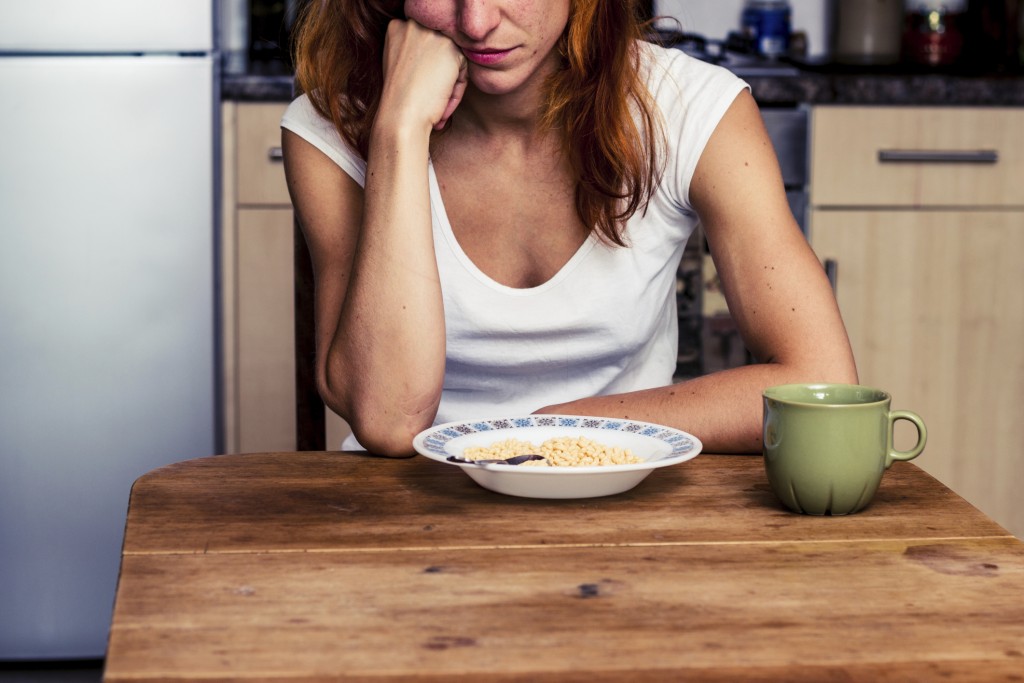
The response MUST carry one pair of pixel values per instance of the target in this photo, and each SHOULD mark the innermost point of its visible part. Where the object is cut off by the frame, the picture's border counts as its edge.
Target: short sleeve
(305, 121)
(692, 97)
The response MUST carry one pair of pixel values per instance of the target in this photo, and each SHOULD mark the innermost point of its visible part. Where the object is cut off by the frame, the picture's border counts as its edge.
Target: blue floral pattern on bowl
(436, 439)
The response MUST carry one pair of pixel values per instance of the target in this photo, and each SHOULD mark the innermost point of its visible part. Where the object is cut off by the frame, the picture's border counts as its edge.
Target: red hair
(598, 98)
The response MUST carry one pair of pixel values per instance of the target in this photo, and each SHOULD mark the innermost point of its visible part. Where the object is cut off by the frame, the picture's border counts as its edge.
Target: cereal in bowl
(564, 451)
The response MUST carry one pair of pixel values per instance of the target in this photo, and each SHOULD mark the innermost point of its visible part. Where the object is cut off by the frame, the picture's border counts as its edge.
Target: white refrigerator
(107, 293)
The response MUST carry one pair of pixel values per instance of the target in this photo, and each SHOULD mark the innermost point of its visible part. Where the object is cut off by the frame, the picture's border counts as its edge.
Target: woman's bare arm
(775, 287)
(379, 315)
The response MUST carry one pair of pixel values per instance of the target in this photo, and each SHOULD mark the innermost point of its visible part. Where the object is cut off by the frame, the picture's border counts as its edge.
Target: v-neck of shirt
(437, 207)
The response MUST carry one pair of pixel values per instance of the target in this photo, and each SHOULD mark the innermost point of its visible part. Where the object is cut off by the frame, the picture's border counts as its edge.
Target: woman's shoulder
(672, 74)
(691, 97)
(302, 118)
(301, 115)
(301, 108)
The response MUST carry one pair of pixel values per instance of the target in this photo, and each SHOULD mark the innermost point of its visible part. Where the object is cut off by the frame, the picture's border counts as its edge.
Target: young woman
(496, 195)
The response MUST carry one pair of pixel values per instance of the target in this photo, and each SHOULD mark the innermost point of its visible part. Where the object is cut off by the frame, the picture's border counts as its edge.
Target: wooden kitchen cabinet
(930, 277)
(258, 286)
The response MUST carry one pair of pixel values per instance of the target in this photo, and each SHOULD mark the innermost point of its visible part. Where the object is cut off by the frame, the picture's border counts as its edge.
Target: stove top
(734, 53)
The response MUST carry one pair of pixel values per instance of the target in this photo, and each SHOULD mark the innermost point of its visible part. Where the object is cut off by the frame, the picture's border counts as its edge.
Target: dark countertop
(798, 87)
(906, 89)
(256, 88)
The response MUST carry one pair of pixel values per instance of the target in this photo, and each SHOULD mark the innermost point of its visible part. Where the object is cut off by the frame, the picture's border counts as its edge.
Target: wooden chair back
(310, 423)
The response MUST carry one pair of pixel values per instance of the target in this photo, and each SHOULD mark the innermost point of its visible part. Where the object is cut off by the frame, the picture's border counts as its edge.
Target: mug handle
(922, 436)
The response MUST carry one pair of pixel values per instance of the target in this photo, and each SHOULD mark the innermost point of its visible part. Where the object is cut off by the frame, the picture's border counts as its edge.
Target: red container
(933, 34)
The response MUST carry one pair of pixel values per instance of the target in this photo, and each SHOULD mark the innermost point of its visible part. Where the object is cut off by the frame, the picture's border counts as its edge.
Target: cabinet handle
(275, 154)
(938, 156)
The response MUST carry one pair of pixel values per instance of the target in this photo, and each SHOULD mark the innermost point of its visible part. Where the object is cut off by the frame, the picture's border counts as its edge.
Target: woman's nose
(477, 18)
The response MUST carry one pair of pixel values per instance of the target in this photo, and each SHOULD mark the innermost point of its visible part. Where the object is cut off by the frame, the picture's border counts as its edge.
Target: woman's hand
(425, 75)
(380, 314)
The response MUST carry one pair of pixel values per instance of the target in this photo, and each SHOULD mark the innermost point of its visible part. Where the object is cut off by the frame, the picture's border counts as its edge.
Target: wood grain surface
(343, 501)
(326, 566)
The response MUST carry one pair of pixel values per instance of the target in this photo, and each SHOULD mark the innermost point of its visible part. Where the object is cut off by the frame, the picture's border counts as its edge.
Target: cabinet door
(258, 286)
(260, 162)
(932, 301)
(917, 157)
(266, 331)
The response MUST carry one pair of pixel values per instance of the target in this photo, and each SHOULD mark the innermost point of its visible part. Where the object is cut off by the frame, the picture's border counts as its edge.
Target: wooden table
(317, 566)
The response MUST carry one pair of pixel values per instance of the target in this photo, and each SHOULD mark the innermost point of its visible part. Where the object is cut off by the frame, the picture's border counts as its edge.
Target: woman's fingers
(457, 92)
(425, 73)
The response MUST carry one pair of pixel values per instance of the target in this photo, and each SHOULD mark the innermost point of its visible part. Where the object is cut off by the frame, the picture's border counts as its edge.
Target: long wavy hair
(598, 98)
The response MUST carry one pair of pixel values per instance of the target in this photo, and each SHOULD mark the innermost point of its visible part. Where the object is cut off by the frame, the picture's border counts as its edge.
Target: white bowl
(656, 445)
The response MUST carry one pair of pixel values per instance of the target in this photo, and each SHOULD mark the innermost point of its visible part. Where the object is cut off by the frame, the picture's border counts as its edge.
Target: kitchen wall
(716, 18)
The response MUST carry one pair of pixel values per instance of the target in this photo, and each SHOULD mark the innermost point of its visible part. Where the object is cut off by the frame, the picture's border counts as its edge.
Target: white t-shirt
(607, 321)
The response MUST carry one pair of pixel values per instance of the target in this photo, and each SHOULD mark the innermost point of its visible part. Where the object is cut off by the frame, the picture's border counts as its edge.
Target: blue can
(767, 24)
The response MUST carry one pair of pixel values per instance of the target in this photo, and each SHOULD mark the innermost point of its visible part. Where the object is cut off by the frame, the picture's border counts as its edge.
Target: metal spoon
(515, 460)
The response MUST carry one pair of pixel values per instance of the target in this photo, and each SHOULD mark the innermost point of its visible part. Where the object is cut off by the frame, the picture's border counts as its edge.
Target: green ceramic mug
(826, 446)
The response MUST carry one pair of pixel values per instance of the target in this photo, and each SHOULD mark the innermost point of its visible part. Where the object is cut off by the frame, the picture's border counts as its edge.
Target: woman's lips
(485, 57)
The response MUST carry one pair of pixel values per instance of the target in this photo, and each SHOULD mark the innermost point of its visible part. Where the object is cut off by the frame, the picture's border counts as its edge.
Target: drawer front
(917, 157)
(260, 168)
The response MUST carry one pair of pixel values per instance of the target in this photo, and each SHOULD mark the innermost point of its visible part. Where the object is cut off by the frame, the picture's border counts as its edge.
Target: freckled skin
(380, 320)
(529, 29)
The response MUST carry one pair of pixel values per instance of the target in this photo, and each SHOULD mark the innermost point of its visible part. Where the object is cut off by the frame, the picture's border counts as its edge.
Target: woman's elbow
(832, 364)
(380, 427)
(848, 374)
(386, 434)
(835, 365)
